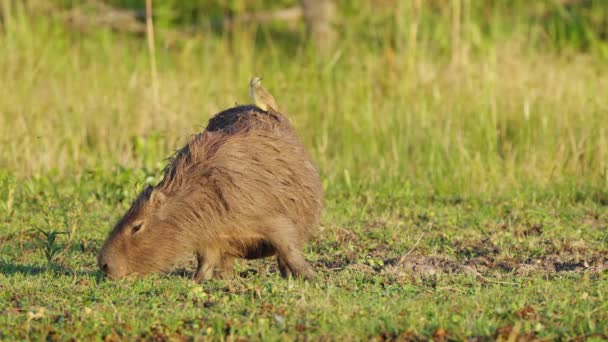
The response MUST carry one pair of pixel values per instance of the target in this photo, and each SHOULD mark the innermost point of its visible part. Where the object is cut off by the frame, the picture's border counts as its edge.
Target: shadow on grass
(182, 273)
(9, 269)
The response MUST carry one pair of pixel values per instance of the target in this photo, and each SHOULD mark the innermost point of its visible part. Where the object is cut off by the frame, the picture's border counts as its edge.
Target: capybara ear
(157, 198)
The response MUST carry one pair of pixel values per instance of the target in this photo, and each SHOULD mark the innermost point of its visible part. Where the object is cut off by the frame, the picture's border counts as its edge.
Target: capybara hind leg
(282, 234)
(283, 268)
(207, 263)
(297, 264)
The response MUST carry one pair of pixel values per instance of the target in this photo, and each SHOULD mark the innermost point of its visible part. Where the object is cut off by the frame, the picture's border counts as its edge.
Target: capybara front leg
(207, 263)
(226, 268)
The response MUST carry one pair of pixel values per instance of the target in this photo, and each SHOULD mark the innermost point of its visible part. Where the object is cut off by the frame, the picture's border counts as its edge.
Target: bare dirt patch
(425, 266)
(420, 266)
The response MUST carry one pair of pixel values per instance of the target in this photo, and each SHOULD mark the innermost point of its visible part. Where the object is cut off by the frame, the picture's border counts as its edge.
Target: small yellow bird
(261, 97)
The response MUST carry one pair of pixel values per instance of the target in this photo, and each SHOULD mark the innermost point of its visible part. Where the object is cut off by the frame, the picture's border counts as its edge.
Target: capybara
(243, 188)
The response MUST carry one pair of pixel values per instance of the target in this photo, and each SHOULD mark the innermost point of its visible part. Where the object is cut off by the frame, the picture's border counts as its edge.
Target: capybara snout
(243, 188)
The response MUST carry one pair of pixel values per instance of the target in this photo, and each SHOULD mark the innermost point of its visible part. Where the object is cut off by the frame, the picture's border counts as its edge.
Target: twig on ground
(402, 259)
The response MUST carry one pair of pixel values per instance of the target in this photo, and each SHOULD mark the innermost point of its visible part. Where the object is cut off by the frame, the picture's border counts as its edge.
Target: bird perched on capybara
(243, 188)
(262, 97)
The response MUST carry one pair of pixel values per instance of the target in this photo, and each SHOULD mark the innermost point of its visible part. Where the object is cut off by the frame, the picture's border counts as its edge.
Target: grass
(472, 267)
(466, 184)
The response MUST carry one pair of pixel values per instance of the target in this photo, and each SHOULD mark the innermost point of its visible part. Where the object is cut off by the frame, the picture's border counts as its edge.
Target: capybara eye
(136, 228)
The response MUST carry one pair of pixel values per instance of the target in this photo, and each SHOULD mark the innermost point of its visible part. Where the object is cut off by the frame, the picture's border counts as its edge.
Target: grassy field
(464, 159)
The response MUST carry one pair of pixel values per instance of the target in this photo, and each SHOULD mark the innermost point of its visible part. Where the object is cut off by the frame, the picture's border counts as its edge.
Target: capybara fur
(243, 188)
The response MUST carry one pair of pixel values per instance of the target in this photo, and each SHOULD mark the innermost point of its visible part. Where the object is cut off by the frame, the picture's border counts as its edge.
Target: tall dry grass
(416, 93)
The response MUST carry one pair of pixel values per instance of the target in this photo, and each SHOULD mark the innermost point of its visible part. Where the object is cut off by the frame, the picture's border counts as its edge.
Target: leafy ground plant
(49, 245)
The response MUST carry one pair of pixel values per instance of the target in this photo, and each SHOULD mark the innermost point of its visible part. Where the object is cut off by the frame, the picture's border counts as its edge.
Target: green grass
(464, 270)
(466, 185)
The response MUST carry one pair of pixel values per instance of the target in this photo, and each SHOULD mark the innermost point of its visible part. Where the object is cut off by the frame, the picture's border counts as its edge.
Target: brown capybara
(243, 188)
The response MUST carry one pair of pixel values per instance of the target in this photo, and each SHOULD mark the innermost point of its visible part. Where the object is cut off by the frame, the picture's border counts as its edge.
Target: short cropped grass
(464, 160)
(390, 265)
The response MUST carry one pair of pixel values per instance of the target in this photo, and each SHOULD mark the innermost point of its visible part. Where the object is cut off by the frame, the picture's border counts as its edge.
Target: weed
(49, 245)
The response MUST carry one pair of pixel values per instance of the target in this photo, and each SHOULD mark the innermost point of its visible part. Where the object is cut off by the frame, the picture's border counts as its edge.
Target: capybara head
(136, 243)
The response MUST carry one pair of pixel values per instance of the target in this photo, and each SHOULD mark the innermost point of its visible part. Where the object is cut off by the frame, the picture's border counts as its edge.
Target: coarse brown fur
(243, 188)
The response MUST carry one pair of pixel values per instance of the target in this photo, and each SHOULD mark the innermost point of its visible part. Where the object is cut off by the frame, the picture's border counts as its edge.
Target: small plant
(50, 247)
(64, 217)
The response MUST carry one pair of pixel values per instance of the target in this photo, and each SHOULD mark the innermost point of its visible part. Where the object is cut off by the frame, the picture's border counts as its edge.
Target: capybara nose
(111, 269)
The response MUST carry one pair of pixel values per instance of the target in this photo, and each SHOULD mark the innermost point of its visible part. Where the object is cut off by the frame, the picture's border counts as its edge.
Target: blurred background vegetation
(445, 96)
